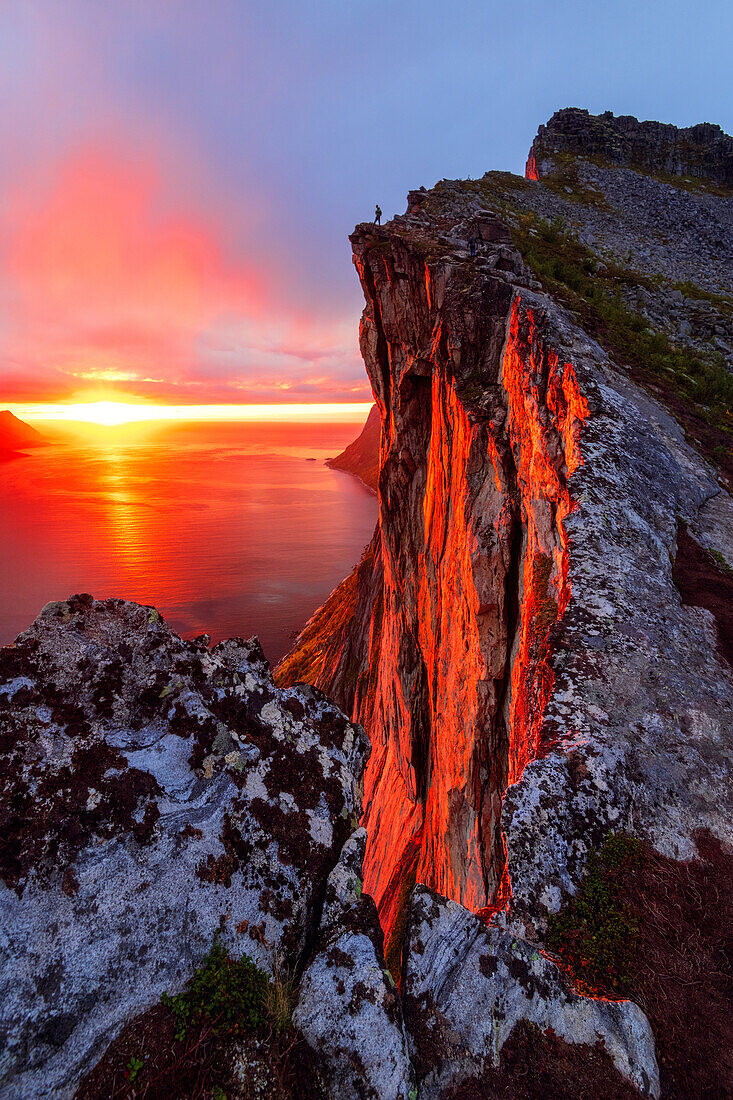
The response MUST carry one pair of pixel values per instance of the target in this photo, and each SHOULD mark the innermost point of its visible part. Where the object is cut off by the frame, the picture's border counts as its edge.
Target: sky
(179, 177)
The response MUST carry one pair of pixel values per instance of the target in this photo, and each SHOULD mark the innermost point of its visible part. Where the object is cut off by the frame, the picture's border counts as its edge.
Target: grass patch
(231, 1019)
(660, 932)
(281, 998)
(565, 181)
(230, 1014)
(697, 185)
(721, 562)
(691, 290)
(596, 931)
(229, 994)
(697, 387)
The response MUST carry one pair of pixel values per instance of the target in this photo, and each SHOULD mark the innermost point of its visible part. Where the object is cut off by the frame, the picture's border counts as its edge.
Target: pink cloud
(103, 286)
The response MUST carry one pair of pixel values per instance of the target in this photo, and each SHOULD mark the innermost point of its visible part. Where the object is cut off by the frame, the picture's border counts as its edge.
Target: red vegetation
(537, 1065)
(680, 970)
(147, 1062)
(704, 582)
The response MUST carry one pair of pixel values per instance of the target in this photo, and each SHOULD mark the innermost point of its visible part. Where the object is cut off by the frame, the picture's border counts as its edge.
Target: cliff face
(513, 640)
(703, 151)
(16, 434)
(361, 458)
(537, 640)
(472, 503)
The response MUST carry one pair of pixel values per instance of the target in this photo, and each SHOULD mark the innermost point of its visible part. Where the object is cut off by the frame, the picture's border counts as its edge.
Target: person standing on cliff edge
(377, 214)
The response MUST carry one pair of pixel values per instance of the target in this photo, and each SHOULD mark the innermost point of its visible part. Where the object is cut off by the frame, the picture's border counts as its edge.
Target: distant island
(16, 435)
(361, 458)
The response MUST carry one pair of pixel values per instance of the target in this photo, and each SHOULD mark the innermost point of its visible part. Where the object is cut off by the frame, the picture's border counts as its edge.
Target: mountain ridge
(535, 899)
(15, 434)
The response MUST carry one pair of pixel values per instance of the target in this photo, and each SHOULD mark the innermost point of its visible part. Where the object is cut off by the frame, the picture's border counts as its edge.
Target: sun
(111, 413)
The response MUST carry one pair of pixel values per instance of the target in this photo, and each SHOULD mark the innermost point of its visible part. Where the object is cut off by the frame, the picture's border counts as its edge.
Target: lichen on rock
(155, 793)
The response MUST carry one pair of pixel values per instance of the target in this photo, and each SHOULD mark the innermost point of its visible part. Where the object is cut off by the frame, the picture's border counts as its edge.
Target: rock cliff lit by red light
(444, 655)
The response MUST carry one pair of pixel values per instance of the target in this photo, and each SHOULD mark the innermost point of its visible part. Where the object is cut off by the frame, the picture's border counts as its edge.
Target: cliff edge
(551, 361)
(361, 458)
(703, 152)
(538, 643)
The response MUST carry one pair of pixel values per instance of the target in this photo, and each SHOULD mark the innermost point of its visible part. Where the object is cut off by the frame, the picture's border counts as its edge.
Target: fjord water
(230, 529)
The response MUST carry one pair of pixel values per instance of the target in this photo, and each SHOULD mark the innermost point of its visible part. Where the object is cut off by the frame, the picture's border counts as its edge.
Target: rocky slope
(361, 458)
(155, 794)
(514, 641)
(703, 152)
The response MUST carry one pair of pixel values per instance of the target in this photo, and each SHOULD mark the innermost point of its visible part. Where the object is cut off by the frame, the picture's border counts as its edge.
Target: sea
(230, 529)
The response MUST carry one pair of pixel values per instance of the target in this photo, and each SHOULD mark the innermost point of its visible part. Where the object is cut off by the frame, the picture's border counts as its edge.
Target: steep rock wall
(481, 422)
(702, 151)
(361, 458)
(513, 640)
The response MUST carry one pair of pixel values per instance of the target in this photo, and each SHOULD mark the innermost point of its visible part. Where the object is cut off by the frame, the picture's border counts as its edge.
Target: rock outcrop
(155, 793)
(349, 1008)
(16, 435)
(514, 641)
(536, 641)
(468, 987)
(702, 152)
(361, 458)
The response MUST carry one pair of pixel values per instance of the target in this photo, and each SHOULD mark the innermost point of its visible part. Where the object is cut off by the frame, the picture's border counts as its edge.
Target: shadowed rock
(467, 987)
(155, 792)
(349, 1008)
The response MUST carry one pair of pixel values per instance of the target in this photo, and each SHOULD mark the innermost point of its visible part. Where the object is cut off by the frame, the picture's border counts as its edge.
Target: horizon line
(113, 413)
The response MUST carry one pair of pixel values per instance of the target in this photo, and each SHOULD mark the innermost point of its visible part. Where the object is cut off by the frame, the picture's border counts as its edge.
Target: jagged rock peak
(703, 151)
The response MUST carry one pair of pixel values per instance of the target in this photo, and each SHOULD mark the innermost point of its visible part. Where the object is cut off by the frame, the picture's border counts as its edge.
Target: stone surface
(348, 1008)
(155, 792)
(514, 642)
(16, 435)
(361, 458)
(468, 986)
(703, 151)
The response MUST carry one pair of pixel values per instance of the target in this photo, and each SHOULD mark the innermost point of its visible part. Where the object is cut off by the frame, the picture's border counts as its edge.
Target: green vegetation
(596, 932)
(505, 180)
(228, 994)
(280, 999)
(566, 182)
(133, 1068)
(721, 562)
(689, 380)
(691, 290)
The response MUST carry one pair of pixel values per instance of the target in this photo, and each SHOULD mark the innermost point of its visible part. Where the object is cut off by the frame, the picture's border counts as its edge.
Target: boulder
(468, 986)
(349, 1009)
(155, 793)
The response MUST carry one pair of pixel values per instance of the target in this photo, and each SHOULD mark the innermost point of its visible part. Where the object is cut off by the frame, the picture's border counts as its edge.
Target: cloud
(106, 283)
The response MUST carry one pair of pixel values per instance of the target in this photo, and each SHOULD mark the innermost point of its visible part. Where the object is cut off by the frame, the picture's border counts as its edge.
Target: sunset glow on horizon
(114, 413)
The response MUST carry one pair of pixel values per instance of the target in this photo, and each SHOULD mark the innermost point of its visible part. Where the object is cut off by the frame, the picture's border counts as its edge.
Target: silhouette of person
(378, 215)
(472, 246)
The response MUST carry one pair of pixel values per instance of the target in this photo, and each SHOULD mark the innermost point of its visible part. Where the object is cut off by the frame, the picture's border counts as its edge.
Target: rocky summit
(517, 881)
